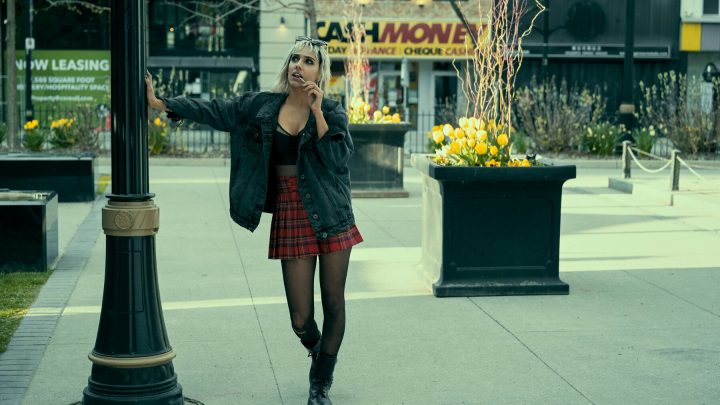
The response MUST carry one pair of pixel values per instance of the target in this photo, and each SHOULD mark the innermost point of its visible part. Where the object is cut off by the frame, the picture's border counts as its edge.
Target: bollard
(675, 166)
(626, 158)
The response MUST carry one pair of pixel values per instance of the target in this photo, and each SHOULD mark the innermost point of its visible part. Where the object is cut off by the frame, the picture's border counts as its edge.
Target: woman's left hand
(315, 96)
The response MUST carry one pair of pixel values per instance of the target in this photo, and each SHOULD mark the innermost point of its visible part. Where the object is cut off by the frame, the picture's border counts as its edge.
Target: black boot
(321, 380)
(313, 353)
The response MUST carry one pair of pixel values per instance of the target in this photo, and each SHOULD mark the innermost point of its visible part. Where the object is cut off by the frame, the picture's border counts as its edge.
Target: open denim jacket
(322, 166)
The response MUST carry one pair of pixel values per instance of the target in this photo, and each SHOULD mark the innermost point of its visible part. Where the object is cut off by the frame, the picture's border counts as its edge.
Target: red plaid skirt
(292, 236)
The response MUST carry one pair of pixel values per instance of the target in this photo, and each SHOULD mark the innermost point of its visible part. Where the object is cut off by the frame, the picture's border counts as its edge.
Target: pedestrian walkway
(641, 324)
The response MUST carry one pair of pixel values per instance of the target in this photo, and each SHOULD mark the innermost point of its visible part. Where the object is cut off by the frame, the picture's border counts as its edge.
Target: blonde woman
(289, 156)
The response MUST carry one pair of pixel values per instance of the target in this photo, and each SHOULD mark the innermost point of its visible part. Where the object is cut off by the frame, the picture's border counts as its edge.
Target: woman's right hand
(153, 101)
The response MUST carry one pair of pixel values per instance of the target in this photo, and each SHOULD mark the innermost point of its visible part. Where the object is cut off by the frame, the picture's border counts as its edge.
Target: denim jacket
(322, 166)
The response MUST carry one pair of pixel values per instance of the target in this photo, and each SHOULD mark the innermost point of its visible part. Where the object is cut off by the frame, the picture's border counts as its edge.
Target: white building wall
(690, 8)
(276, 40)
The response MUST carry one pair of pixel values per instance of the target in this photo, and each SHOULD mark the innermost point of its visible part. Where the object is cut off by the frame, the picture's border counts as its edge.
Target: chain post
(675, 166)
(626, 158)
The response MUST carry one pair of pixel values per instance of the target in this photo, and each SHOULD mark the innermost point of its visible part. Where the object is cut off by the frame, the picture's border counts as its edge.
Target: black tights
(299, 277)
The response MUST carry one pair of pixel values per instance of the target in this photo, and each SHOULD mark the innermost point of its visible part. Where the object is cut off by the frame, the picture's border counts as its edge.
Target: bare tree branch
(74, 4)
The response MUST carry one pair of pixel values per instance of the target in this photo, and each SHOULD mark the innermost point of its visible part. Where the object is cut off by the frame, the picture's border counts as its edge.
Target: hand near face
(315, 95)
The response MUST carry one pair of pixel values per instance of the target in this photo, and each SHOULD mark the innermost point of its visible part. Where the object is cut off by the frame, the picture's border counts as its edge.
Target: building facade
(700, 34)
(202, 49)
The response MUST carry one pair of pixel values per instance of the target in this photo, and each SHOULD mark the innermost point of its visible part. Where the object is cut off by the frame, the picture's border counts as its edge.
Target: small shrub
(644, 138)
(600, 139)
(35, 136)
(553, 116)
(63, 133)
(3, 132)
(673, 107)
(158, 136)
(88, 124)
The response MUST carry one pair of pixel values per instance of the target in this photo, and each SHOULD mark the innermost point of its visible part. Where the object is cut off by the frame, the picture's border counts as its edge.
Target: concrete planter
(376, 167)
(491, 231)
(72, 176)
(29, 224)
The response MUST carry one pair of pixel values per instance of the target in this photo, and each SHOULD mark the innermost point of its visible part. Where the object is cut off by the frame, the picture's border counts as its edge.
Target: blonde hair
(282, 84)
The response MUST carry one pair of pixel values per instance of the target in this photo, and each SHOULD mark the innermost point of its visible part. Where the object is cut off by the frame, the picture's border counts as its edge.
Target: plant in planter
(63, 133)
(376, 169)
(34, 137)
(157, 136)
(491, 221)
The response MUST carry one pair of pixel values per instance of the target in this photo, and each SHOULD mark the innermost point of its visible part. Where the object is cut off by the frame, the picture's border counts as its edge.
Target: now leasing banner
(402, 39)
(66, 77)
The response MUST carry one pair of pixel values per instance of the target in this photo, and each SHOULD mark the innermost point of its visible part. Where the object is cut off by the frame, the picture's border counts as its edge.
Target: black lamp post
(627, 104)
(29, 46)
(132, 358)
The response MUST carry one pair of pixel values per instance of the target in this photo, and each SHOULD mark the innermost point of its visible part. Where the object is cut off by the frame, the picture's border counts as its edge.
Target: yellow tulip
(481, 125)
(385, 109)
(463, 122)
(459, 133)
(481, 148)
(491, 125)
(396, 117)
(490, 162)
(502, 140)
(366, 107)
(157, 121)
(482, 135)
(377, 116)
(493, 150)
(438, 137)
(474, 123)
(471, 132)
(525, 163)
(471, 142)
(454, 148)
(447, 129)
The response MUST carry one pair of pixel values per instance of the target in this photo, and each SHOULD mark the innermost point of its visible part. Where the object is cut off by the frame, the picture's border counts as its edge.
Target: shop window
(711, 7)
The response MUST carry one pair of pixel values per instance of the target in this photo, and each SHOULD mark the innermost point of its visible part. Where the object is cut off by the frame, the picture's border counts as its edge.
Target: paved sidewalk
(641, 324)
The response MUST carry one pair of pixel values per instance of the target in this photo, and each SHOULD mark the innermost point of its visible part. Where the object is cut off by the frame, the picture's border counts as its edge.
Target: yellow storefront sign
(402, 39)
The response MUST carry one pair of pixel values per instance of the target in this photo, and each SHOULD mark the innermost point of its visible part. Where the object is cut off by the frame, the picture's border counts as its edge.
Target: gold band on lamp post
(131, 362)
(131, 218)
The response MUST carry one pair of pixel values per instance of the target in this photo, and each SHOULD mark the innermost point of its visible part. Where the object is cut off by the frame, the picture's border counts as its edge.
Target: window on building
(711, 6)
(178, 30)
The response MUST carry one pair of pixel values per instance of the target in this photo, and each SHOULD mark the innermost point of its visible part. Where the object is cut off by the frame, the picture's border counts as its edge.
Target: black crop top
(285, 147)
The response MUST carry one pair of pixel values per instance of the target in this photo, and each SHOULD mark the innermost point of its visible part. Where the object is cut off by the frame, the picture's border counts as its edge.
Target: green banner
(66, 77)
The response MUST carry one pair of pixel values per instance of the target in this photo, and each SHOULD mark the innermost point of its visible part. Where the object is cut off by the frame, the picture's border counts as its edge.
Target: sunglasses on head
(315, 42)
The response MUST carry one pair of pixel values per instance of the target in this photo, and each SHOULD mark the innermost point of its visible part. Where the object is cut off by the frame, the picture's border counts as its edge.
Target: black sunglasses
(316, 42)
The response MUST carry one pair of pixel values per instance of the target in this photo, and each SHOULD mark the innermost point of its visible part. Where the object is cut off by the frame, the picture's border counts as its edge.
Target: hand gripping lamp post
(132, 358)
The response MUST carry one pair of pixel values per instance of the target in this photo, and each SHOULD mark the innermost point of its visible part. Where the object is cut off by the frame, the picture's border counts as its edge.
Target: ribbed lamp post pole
(132, 358)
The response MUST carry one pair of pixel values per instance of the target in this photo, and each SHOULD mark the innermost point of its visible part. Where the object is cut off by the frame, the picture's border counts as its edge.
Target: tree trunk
(11, 86)
(312, 17)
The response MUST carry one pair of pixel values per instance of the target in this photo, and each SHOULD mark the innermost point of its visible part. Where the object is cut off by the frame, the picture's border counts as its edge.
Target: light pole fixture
(282, 25)
(711, 72)
(421, 3)
(132, 357)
